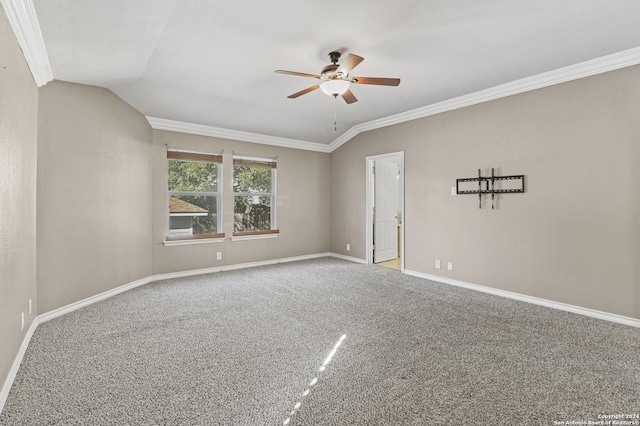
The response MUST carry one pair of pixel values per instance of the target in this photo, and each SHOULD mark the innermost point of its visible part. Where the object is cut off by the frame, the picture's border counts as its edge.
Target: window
(254, 183)
(194, 195)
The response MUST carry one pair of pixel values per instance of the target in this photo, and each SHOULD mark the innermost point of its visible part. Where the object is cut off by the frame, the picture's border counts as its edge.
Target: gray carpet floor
(322, 342)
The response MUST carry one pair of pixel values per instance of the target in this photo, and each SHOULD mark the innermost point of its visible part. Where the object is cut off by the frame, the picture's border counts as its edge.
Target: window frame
(254, 161)
(204, 157)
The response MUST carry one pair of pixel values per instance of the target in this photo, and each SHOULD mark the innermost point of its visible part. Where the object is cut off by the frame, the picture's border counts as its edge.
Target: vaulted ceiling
(211, 63)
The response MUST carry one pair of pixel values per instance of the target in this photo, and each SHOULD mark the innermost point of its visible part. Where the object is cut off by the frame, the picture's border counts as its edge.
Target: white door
(385, 211)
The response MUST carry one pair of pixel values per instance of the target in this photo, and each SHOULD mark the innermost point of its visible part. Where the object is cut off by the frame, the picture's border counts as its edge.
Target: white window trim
(271, 195)
(219, 203)
(188, 242)
(253, 237)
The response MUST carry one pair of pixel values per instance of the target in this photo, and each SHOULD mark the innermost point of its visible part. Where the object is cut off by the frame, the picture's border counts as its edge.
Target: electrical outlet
(22, 321)
(30, 307)
(450, 266)
(219, 255)
(437, 264)
(348, 247)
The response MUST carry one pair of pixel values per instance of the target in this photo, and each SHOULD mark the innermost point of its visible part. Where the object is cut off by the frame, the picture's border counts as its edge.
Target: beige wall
(18, 147)
(94, 194)
(97, 174)
(573, 237)
(302, 205)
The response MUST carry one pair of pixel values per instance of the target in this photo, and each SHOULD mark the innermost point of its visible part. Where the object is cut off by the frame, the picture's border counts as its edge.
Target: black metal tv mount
(487, 185)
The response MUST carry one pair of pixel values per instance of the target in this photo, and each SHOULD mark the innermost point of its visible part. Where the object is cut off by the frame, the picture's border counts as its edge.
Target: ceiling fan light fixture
(335, 87)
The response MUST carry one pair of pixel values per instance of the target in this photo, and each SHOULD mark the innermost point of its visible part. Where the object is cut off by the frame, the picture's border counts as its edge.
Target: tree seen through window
(193, 197)
(253, 197)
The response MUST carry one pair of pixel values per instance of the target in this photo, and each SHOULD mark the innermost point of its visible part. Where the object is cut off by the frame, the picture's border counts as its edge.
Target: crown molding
(612, 62)
(600, 65)
(237, 135)
(24, 21)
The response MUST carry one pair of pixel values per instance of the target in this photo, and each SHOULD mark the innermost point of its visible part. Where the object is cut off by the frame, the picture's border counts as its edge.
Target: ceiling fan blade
(304, 92)
(350, 63)
(299, 74)
(349, 97)
(376, 80)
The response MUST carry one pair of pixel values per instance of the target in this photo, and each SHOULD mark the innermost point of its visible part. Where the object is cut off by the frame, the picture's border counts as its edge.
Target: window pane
(251, 179)
(193, 176)
(192, 215)
(252, 213)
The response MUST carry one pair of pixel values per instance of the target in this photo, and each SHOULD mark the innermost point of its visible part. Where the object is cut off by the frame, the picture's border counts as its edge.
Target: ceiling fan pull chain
(335, 114)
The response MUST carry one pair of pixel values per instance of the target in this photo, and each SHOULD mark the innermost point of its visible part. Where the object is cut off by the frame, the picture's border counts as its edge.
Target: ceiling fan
(336, 79)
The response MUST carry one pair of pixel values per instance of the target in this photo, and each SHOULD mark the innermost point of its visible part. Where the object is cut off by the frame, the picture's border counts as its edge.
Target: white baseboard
(349, 258)
(91, 300)
(4, 392)
(531, 299)
(6, 387)
(159, 277)
(8, 382)
(193, 272)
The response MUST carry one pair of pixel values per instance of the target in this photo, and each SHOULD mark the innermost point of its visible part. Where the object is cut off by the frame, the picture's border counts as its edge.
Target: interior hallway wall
(94, 194)
(572, 237)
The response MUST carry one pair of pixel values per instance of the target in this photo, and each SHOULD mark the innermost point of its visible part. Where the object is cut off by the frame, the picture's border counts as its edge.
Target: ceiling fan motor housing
(329, 72)
(335, 78)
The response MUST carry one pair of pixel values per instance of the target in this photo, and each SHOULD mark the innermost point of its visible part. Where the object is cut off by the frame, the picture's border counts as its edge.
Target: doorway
(385, 210)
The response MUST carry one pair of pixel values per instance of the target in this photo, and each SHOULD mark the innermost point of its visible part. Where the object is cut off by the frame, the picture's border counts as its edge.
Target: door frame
(370, 196)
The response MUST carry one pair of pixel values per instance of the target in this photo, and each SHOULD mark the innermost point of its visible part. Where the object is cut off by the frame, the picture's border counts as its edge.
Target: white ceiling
(211, 62)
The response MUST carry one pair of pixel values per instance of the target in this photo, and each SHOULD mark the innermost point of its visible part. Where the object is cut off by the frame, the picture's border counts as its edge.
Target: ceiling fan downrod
(334, 57)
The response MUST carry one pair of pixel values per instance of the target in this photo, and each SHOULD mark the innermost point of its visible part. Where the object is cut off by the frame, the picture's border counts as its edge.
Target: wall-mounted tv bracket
(487, 185)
